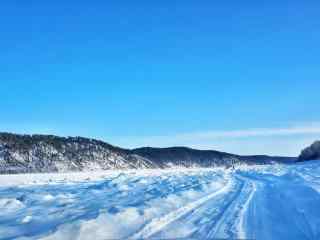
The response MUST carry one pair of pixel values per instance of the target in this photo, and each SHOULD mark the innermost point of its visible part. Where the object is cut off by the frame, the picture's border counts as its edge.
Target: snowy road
(273, 202)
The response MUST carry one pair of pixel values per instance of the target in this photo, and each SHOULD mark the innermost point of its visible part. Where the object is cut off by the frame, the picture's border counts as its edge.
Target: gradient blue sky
(164, 73)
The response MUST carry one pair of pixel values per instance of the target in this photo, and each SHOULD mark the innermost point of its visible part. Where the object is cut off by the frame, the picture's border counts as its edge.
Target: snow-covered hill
(40, 153)
(257, 202)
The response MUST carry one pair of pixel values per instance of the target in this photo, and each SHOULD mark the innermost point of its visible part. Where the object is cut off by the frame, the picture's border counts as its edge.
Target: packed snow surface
(268, 202)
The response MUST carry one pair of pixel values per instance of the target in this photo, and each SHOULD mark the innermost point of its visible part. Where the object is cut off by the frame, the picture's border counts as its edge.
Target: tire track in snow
(214, 212)
(157, 224)
(241, 226)
(230, 223)
(222, 216)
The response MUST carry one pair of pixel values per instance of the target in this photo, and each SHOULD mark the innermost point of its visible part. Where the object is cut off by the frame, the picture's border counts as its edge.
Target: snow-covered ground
(269, 202)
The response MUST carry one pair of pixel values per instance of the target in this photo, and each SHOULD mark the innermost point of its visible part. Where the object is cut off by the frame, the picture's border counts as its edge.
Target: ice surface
(268, 202)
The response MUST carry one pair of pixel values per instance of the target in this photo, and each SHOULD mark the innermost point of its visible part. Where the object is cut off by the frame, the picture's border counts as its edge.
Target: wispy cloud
(259, 132)
(277, 141)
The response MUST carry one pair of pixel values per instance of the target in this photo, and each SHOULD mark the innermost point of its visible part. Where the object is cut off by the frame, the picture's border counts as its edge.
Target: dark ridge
(20, 153)
(311, 153)
(206, 158)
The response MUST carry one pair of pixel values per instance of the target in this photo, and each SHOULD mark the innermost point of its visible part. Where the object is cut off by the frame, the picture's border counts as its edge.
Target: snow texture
(265, 202)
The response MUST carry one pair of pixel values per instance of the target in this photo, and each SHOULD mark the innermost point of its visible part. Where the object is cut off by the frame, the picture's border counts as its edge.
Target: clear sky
(237, 76)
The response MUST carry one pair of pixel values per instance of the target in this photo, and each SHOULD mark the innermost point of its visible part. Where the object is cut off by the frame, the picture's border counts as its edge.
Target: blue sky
(164, 73)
